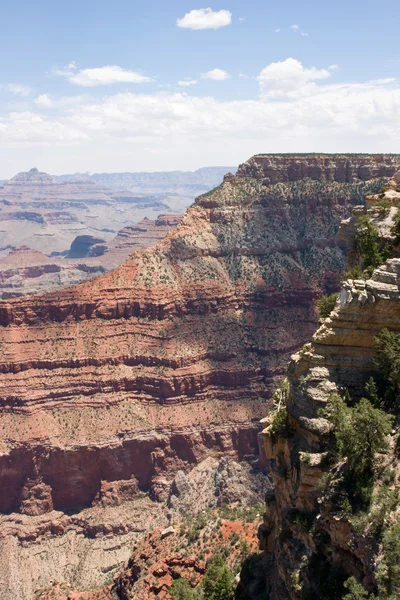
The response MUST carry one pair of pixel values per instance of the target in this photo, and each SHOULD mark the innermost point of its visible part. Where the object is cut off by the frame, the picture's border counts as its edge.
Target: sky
(99, 86)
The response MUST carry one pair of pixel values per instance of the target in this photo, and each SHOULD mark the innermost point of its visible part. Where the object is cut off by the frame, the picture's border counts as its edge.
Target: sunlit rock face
(173, 356)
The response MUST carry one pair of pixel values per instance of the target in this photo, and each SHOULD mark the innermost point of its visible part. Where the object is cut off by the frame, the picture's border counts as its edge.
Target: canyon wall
(314, 537)
(174, 355)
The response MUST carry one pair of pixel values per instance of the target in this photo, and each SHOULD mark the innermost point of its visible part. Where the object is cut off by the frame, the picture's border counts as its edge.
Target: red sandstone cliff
(173, 356)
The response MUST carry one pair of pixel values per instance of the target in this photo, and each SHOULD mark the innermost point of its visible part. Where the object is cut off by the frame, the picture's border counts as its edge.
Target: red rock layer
(192, 333)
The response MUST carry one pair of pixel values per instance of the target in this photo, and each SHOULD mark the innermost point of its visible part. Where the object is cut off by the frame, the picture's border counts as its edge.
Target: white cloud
(18, 90)
(296, 105)
(187, 82)
(334, 68)
(297, 29)
(289, 79)
(216, 75)
(100, 75)
(242, 19)
(277, 30)
(43, 101)
(205, 18)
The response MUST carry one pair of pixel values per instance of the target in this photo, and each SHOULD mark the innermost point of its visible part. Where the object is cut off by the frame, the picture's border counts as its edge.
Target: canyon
(49, 222)
(46, 213)
(176, 189)
(110, 388)
(26, 272)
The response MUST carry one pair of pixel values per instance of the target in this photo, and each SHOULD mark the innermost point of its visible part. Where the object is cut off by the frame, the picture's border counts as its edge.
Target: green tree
(367, 244)
(181, 590)
(356, 591)
(224, 587)
(388, 575)
(360, 432)
(214, 567)
(326, 304)
(387, 359)
(218, 582)
(280, 424)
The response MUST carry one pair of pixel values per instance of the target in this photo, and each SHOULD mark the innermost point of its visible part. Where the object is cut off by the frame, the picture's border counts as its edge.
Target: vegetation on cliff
(333, 523)
(326, 304)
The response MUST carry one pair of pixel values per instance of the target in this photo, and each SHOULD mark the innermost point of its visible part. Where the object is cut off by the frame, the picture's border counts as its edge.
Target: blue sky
(158, 85)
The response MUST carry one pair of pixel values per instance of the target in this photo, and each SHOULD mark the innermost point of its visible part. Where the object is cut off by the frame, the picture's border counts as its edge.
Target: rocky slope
(172, 357)
(315, 531)
(198, 522)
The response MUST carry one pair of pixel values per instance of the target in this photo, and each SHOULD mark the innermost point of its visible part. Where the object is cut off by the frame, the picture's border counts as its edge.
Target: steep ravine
(174, 356)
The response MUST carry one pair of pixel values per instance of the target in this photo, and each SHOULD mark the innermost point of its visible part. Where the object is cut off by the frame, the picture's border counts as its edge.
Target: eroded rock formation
(315, 538)
(121, 382)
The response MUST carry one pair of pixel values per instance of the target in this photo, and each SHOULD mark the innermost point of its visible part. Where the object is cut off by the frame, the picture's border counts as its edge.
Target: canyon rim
(116, 392)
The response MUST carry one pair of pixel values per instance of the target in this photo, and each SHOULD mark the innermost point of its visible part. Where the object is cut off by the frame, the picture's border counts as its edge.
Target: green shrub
(281, 394)
(360, 432)
(246, 514)
(218, 582)
(383, 206)
(388, 575)
(224, 588)
(304, 520)
(396, 228)
(326, 304)
(356, 591)
(368, 246)
(355, 272)
(181, 590)
(387, 359)
(280, 424)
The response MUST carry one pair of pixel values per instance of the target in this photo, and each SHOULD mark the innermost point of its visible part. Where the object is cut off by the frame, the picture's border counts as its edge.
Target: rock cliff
(317, 531)
(173, 356)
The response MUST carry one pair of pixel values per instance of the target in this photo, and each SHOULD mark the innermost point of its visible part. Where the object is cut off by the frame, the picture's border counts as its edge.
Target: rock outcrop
(174, 355)
(313, 535)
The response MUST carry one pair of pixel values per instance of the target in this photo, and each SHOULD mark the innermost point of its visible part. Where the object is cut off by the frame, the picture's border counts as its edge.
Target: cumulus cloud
(187, 82)
(100, 75)
(205, 18)
(216, 75)
(297, 104)
(17, 90)
(289, 79)
(43, 101)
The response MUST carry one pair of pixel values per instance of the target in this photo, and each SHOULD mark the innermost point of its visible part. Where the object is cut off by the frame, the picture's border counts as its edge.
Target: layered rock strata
(129, 377)
(309, 536)
(46, 215)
